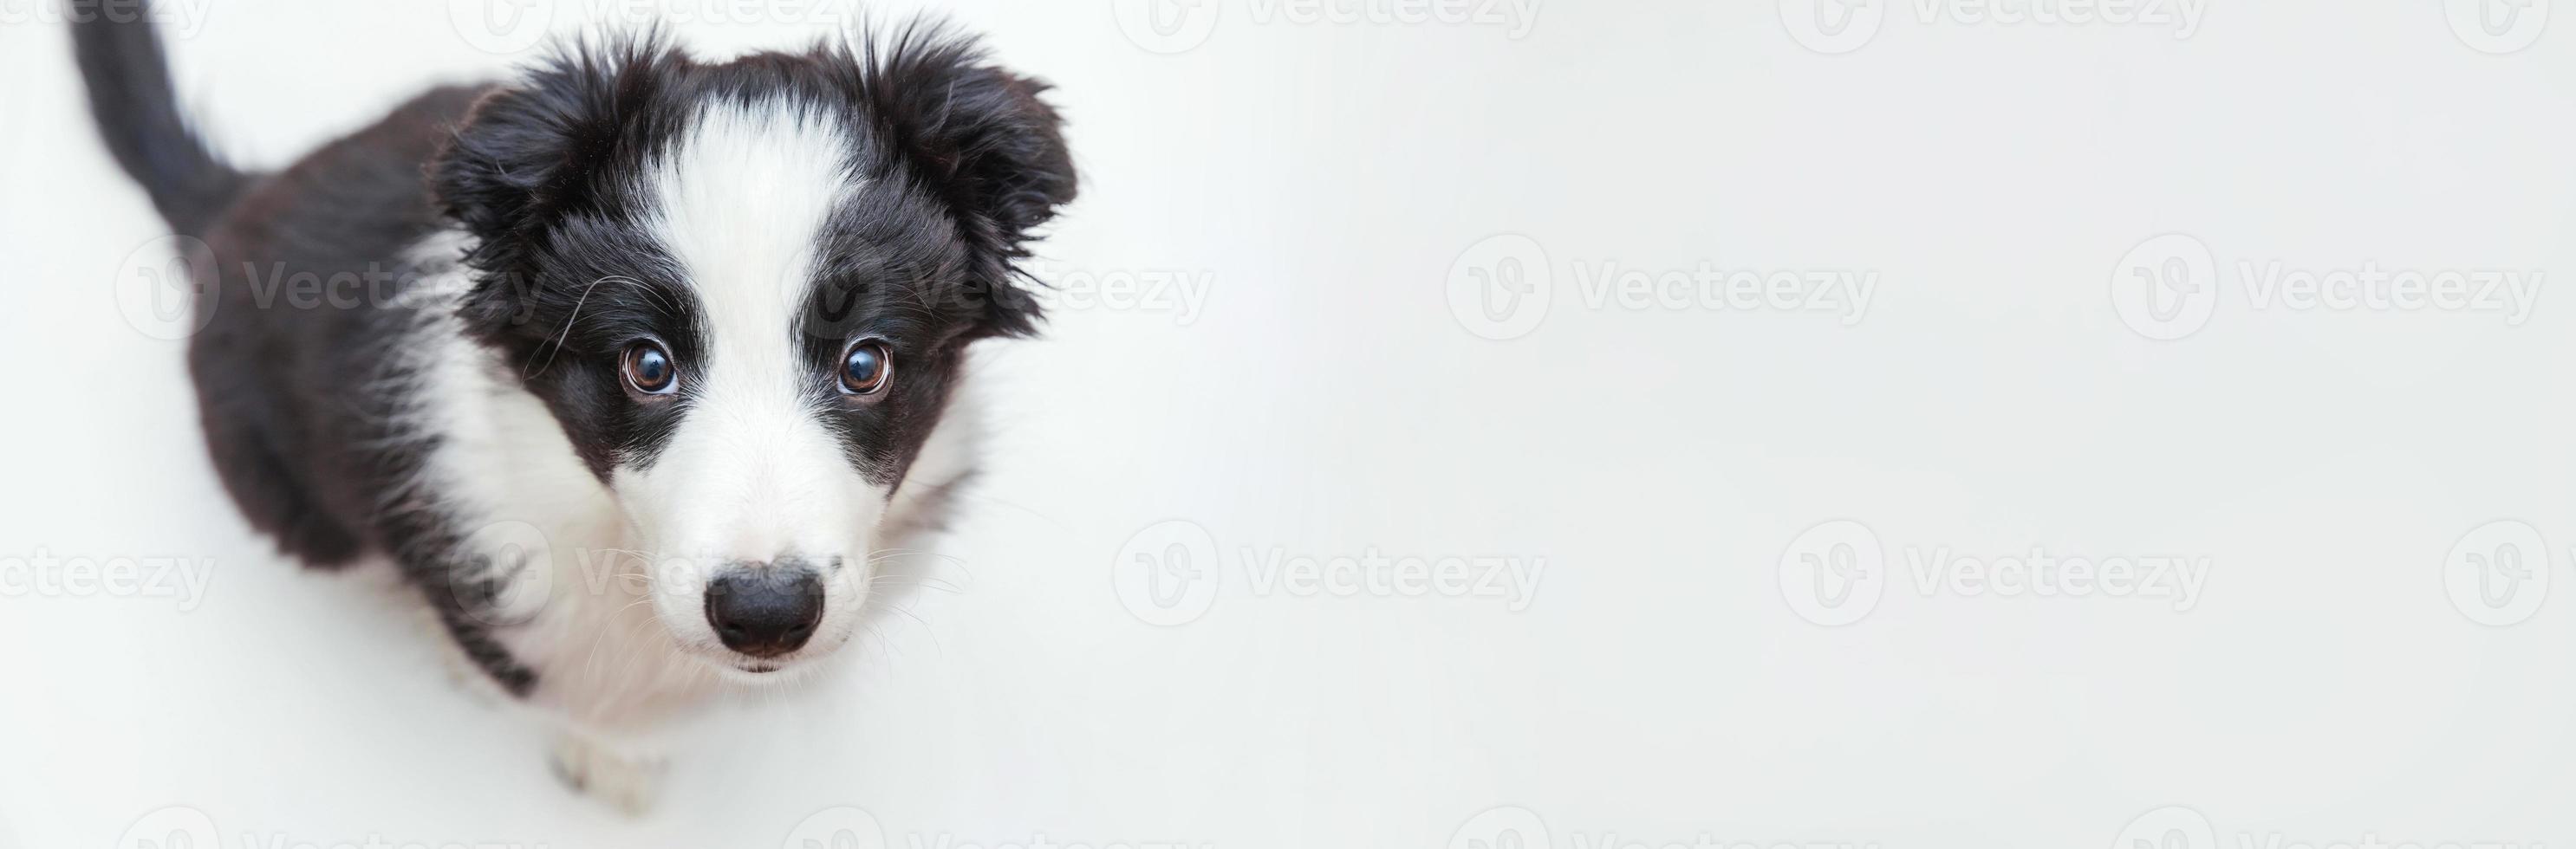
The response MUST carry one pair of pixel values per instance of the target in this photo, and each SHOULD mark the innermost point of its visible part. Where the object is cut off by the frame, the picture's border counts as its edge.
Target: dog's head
(744, 290)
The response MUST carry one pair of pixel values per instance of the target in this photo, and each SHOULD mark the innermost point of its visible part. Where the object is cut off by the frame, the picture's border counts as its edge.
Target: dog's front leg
(621, 774)
(505, 602)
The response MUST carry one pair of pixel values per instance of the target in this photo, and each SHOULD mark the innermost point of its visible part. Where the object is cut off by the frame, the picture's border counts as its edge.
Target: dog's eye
(866, 368)
(649, 369)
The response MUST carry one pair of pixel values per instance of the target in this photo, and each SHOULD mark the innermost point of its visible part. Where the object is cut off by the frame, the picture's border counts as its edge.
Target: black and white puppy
(700, 327)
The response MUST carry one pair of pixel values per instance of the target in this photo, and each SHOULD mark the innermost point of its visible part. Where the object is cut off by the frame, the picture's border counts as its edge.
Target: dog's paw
(625, 781)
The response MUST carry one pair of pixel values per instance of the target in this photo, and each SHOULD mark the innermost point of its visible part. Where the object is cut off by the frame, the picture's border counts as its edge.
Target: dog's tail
(138, 114)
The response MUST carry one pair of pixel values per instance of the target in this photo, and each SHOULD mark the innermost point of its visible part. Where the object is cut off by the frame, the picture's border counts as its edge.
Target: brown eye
(866, 368)
(649, 369)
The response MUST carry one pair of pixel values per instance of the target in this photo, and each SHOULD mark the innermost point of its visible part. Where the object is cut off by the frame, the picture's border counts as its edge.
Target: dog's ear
(531, 153)
(980, 138)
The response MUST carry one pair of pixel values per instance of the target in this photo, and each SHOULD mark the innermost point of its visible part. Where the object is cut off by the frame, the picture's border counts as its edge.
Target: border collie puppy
(673, 358)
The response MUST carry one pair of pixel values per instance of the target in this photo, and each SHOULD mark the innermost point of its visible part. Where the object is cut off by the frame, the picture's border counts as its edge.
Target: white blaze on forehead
(740, 200)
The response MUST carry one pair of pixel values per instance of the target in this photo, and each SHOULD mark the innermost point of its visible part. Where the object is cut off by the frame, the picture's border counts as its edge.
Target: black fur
(963, 160)
(301, 406)
(138, 117)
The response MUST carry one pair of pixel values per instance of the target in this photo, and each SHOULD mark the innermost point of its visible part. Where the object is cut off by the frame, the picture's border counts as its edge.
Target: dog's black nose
(765, 611)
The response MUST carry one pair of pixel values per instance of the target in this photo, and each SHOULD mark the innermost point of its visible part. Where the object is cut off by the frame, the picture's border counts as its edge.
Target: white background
(1327, 178)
